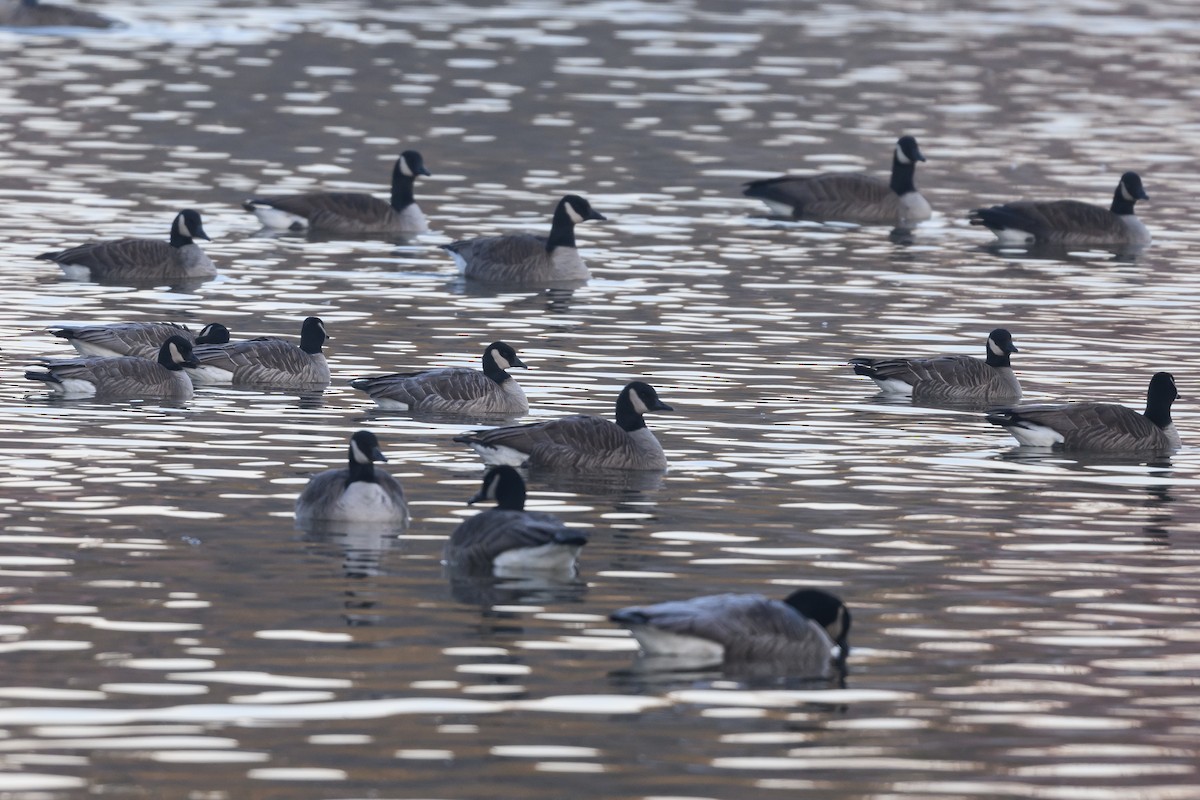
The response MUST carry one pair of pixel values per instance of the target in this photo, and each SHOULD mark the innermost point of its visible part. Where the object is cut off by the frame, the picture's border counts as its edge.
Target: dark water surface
(1026, 625)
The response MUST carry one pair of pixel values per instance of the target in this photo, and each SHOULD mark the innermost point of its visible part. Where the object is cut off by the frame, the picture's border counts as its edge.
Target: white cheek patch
(639, 405)
(1125, 193)
(182, 228)
(489, 491)
(500, 360)
(323, 331)
(575, 216)
(903, 159)
(357, 454)
(995, 348)
(405, 169)
(176, 356)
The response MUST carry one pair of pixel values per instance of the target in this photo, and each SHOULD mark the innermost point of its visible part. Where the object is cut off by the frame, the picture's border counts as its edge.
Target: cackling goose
(141, 260)
(508, 539)
(33, 14)
(1104, 427)
(122, 376)
(850, 197)
(349, 212)
(949, 379)
(455, 390)
(1070, 222)
(805, 633)
(357, 493)
(266, 361)
(141, 339)
(524, 257)
(581, 441)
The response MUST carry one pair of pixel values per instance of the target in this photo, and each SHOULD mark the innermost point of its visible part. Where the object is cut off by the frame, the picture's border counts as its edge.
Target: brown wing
(953, 377)
(570, 442)
(512, 257)
(123, 376)
(1061, 221)
(851, 197)
(1096, 426)
(432, 390)
(125, 258)
(477, 542)
(333, 209)
(261, 361)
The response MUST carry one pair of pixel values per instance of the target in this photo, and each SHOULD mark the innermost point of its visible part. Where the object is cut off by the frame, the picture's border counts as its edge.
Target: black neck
(312, 339)
(164, 358)
(492, 369)
(562, 230)
(402, 189)
(1119, 204)
(510, 496)
(627, 418)
(1002, 360)
(360, 472)
(1158, 409)
(902, 175)
(178, 239)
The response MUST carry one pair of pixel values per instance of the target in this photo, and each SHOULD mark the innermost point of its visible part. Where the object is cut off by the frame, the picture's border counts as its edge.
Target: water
(1025, 625)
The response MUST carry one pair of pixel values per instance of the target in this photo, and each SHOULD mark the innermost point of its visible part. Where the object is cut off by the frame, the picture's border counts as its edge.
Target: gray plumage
(508, 538)
(141, 261)
(358, 493)
(950, 378)
(349, 212)
(850, 197)
(806, 634)
(1098, 427)
(526, 258)
(581, 442)
(141, 339)
(454, 390)
(33, 14)
(266, 361)
(122, 376)
(1070, 222)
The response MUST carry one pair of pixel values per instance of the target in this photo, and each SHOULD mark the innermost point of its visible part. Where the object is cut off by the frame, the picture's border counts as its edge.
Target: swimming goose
(266, 361)
(141, 339)
(580, 441)
(1096, 426)
(850, 197)
(949, 379)
(141, 260)
(358, 493)
(524, 257)
(456, 390)
(1070, 222)
(507, 538)
(122, 376)
(349, 212)
(32, 14)
(807, 631)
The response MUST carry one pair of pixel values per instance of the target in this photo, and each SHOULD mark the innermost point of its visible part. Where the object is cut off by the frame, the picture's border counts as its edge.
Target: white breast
(364, 501)
(551, 557)
(657, 642)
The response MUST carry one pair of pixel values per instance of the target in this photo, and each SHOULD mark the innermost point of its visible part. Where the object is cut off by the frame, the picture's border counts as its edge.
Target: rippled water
(1025, 625)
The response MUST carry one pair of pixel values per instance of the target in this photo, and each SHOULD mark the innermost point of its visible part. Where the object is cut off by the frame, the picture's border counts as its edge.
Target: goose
(141, 339)
(507, 538)
(807, 631)
(349, 212)
(358, 493)
(33, 14)
(141, 260)
(122, 376)
(266, 361)
(456, 390)
(524, 257)
(1070, 222)
(580, 441)
(1101, 427)
(949, 379)
(850, 197)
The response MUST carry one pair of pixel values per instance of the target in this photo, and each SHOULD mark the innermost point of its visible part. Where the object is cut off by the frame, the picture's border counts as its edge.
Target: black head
(907, 151)
(1131, 187)
(213, 333)
(504, 485)
(410, 164)
(824, 609)
(503, 356)
(176, 353)
(643, 398)
(1162, 385)
(313, 335)
(577, 209)
(187, 226)
(364, 448)
(1000, 343)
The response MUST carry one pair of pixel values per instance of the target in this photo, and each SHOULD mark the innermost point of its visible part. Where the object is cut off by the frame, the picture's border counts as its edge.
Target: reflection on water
(1025, 623)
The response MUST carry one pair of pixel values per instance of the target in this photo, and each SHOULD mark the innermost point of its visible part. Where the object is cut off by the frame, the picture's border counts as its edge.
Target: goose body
(1097, 427)
(122, 376)
(524, 257)
(951, 378)
(806, 633)
(141, 339)
(850, 197)
(34, 14)
(349, 212)
(580, 442)
(1070, 222)
(357, 493)
(266, 361)
(456, 390)
(141, 260)
(508, 539)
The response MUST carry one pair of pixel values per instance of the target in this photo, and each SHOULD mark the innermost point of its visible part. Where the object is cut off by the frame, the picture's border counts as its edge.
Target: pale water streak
(1025, 624)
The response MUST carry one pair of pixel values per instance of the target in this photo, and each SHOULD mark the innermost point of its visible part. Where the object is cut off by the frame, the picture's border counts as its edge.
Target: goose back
(141, 339)
(34, 14)
(121, 376)
(949, 378)
(357, 493)
(141, 260)
(454, 390)
(266, 361)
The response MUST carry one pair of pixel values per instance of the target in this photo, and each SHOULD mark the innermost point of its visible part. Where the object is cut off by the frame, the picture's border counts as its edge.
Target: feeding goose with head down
(357, 493)
(266, 361)
(127, 377)
(141, 339)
